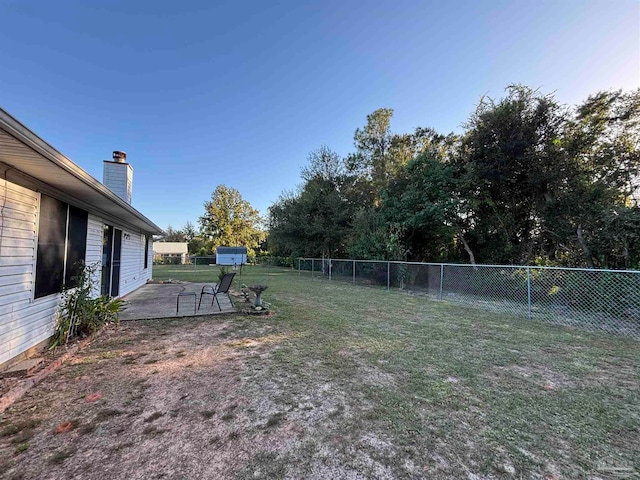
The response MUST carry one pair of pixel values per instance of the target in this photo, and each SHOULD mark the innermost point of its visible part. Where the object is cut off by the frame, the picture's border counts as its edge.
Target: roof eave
(22, 133)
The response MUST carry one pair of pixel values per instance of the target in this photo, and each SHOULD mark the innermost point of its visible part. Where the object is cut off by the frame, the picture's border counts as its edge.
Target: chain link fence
(593, 300)
(200, 263)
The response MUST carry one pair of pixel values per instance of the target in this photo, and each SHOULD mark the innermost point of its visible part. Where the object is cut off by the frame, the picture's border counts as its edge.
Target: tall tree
(508, 165)
(173, 235)
(197, 243)
(420, 203)
(324, 164)
(373, 142)
(189, 231)
(315, 220)
(231, 220)
(596, 214)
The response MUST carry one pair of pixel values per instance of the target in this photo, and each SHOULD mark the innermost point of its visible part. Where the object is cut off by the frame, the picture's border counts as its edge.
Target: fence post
(299, 263)
(329, 269)
(312, 268)
(388, 276)
(195, 262)
(354, 272)
(529, 291)
(441, 279)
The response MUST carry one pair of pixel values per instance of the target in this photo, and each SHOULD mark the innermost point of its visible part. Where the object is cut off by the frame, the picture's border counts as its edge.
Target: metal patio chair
(222, 287)
(182, 293)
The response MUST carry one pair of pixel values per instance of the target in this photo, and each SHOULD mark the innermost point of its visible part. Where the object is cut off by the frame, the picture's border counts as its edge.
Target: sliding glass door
(111, 256)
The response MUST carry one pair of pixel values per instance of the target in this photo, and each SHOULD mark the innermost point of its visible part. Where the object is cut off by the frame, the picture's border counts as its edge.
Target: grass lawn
(340, 382)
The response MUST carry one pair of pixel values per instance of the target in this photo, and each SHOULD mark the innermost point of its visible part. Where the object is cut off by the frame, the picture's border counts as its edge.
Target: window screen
(76, 244)
(51, 243)
(61, 227)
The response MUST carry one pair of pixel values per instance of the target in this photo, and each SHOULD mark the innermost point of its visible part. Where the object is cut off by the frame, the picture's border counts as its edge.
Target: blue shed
(231, 255)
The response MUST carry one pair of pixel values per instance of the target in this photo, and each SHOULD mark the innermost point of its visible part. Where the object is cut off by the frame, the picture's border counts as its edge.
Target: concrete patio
(159, 301)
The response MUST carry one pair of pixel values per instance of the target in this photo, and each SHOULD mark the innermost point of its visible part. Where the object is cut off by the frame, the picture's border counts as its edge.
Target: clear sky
(200, 93)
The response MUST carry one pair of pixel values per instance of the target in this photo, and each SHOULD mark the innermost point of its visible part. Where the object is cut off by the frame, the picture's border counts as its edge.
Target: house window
(62, 239)
(146, 251)
(76, 244)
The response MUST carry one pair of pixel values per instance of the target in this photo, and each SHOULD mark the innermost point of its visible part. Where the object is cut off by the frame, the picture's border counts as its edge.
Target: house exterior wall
(93, 256)
(25, 321)
(171, 248)
(170, 252)
(132, 272)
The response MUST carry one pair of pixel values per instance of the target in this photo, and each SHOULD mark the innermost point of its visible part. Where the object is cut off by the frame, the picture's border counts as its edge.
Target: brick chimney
(118, 175)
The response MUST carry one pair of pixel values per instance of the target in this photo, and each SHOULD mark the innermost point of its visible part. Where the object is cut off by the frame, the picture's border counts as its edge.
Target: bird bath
(258, 289)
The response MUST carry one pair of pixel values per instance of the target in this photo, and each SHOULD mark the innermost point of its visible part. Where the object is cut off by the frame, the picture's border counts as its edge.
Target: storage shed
(231, 255)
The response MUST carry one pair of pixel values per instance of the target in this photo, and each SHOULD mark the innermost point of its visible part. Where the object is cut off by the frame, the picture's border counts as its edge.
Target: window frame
(37, 250)
(146, 252)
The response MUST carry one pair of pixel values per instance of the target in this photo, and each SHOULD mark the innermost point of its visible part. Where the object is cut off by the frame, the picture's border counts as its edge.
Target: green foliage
(229, 220)
(166, 260)
(529, 181)
(270, 261)
(373, 238)
(173, 235)
(317, 219)
(80, 314)
(373, 142)
(222, 273)
(197, 244)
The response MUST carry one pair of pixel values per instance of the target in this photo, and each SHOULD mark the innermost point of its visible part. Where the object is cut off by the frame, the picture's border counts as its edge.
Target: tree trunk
(472, 258)
(585, 248)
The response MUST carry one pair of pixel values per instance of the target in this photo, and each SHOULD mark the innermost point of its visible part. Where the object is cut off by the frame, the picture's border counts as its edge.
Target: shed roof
(27, 154)
(231, 250)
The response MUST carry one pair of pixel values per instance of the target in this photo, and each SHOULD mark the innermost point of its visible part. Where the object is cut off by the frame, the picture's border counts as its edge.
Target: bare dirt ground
(47, 356)
(178, 399)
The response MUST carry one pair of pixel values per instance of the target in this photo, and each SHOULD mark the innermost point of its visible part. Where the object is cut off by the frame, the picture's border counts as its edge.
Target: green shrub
(223, 272)
(80, 313)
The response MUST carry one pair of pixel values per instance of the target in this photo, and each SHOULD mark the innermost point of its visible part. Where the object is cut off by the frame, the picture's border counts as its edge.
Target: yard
(340, 381)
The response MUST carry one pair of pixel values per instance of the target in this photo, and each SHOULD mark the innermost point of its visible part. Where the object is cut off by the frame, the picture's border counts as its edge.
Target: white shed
(231, 255)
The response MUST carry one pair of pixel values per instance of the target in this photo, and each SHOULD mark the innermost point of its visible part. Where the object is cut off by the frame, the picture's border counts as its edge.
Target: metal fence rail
(203, 262)
(592, 300)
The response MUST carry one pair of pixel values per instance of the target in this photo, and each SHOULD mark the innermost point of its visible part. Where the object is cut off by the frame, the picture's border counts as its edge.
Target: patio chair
(222, 287)
(182, 293)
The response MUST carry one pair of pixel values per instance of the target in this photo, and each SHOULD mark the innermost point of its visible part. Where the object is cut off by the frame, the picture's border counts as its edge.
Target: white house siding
(93, 255)
(132, 271)
(24, 322)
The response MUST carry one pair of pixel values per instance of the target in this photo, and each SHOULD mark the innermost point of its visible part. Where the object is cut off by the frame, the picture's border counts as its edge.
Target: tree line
(528, 181)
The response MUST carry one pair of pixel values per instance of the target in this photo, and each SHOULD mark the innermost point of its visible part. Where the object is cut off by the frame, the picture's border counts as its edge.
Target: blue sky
(200, 93)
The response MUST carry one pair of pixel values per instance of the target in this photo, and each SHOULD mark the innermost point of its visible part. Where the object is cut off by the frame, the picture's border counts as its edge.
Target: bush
(80, 314)
(268, 261)
(223, 272)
